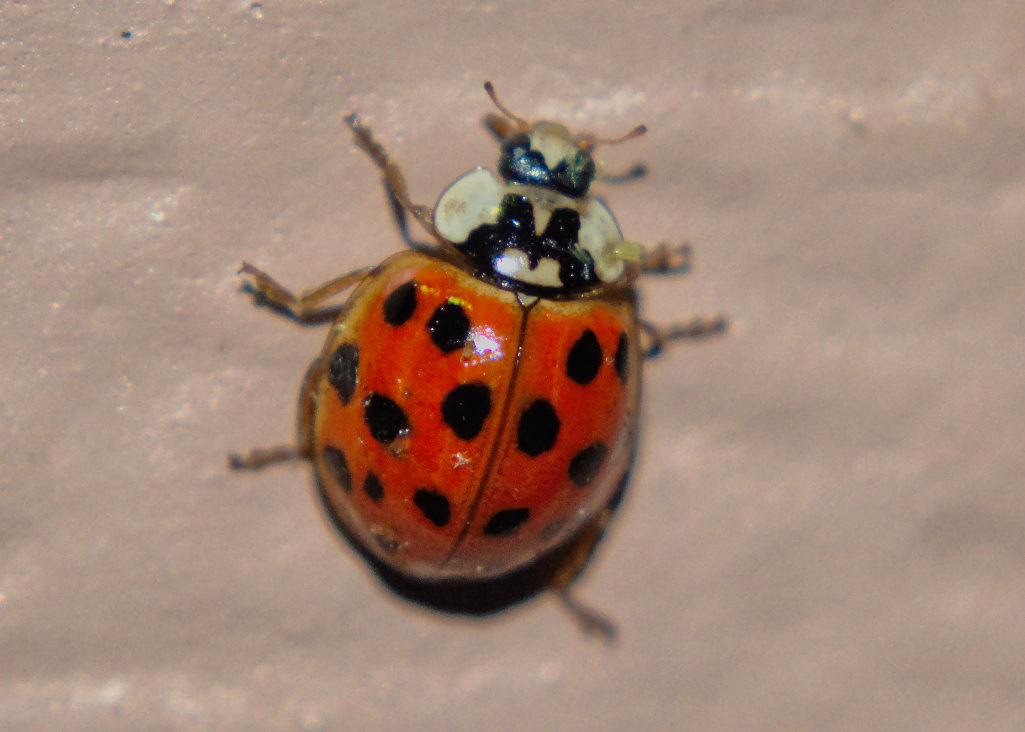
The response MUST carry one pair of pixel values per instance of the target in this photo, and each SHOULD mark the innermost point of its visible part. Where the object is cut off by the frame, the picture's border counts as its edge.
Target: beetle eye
(521, 164)
(573, 175)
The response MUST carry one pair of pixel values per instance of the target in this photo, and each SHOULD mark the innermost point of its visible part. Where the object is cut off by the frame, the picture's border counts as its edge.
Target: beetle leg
(637, 171)
(399, 213)
(666, 258)
(393, 178)
(699, 327)
(261, 457)
(306, 308)
(590, 620)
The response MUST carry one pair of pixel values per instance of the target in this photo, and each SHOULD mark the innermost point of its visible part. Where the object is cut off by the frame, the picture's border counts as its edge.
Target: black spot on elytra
(622, 360)
(373, 488)
(337, 467)
(506, 522)
(465, 408)
(584, 358)
(538, 428)
(432, 505)
(384, 417)
(343, 370)
(400, 305)
(586, 464)
(449, 327)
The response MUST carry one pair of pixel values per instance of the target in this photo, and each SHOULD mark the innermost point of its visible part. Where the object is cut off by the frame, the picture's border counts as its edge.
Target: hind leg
(591, 621)
(260, 457)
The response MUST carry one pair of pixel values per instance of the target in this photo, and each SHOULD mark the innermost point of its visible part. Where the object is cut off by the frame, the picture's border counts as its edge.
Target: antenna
(587, 141)
(490, 89)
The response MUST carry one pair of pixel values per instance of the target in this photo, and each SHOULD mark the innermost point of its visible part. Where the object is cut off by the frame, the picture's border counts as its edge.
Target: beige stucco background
(826, 527)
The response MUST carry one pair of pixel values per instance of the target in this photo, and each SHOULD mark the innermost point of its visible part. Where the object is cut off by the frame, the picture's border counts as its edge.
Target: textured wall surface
(826, 526)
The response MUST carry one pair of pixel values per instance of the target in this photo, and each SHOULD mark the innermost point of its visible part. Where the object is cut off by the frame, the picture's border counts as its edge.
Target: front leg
(393, 178)
(667, 258)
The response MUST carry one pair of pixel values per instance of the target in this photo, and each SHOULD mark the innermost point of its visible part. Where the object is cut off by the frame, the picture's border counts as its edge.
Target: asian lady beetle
(473, 412)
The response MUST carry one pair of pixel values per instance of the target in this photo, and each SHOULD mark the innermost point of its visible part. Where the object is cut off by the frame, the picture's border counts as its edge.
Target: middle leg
(305, 308)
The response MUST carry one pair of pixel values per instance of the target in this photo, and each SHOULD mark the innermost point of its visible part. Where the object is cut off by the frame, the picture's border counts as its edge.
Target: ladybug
(473, 412)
